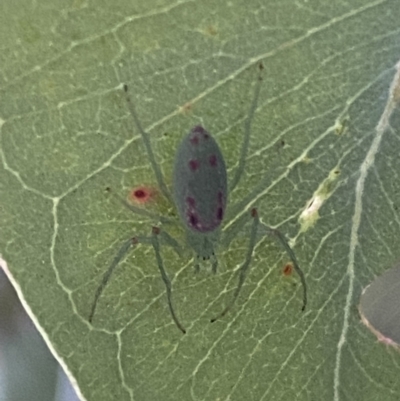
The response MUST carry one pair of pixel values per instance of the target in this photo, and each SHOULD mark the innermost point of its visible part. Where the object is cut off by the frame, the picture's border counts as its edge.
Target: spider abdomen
(200, 181)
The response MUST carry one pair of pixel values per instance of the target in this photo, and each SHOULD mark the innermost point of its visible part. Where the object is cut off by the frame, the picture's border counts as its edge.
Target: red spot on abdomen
(194, 164)
(193, 219)
(198, 132)
(198, 129)
(221, 206)
(213, 161)
(190, 201)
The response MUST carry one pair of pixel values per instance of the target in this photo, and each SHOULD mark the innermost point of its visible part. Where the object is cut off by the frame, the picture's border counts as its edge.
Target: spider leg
(167, 282)
(257, 229)
(147, 144)
(281, 238)
(245, 266)
(234, 229)
(247, 132)
(119, 256)
(171, 241)
(154, 241)
(214, 263)
(139, 210)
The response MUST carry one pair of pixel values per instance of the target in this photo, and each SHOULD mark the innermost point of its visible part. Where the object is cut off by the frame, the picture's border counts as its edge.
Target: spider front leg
(146, 140)
(154, 241)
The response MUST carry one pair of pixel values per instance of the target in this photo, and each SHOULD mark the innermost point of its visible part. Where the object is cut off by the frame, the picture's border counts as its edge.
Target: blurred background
(28, 371)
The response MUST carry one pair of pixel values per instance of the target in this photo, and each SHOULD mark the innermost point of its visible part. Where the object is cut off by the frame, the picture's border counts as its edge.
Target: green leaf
(318, 169)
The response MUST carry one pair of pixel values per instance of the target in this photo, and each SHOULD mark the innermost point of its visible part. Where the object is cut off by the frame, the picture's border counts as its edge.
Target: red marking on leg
(254, 212)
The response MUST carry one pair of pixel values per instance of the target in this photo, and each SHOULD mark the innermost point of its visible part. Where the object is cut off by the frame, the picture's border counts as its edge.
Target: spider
(200, 196)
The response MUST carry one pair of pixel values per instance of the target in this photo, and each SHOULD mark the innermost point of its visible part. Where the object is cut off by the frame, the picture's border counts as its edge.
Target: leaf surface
(317, 169)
